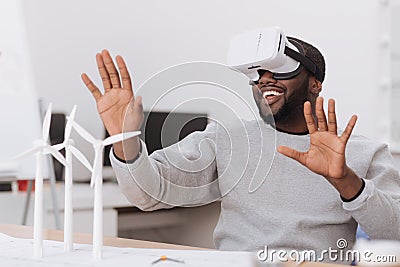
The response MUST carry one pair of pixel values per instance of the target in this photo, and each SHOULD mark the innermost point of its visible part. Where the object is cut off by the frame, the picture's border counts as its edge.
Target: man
(339, 183)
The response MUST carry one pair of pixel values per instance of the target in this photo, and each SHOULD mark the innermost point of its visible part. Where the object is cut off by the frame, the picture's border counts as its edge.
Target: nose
(267, 78)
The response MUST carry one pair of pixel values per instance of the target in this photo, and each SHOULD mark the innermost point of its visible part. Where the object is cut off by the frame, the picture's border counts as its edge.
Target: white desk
(26, 232)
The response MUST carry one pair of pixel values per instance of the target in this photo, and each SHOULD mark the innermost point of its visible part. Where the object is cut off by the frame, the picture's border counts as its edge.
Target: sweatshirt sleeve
(183, 174)
(377, 208)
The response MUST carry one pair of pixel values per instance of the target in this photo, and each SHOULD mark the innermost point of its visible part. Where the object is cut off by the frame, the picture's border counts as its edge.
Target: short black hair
(312, 53)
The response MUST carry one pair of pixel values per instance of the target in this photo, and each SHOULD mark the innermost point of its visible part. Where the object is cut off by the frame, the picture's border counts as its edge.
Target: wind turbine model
(70, 150)
(41, 147)
(97, 181)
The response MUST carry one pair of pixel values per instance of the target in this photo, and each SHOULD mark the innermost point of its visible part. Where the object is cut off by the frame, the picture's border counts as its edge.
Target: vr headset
(269, 49)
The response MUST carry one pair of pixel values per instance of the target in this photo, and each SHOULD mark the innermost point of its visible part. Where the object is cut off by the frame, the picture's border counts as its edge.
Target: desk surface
(56, 235)
(27, 232)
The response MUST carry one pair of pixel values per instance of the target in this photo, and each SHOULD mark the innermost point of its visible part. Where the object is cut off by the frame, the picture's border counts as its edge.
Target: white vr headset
(268, 49)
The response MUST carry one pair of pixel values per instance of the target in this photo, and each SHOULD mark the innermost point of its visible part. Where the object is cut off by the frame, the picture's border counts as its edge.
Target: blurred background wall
(64, 37)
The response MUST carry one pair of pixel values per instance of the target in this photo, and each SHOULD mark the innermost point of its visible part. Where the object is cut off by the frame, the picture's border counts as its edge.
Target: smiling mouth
(272, 96)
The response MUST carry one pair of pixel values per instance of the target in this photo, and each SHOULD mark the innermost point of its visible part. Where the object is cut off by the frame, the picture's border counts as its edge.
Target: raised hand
(326, 155)
(118, 107)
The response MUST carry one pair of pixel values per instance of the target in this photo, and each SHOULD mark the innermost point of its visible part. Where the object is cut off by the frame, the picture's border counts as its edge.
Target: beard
(291, 109)
(287, 110)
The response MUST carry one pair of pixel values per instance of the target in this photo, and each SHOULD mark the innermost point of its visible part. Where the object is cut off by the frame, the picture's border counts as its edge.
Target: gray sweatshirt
(266, 198)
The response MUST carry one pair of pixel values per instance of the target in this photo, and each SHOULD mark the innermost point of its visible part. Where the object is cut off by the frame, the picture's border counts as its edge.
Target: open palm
(120, 111)
(326, 155)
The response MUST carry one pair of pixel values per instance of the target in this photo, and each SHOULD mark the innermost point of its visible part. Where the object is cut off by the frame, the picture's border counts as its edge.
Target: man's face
(284, 97)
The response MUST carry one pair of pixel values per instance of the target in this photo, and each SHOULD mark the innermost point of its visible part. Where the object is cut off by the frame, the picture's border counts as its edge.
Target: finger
(349, 129)
(125, 77)
(111, 69)
(293, 154)
(319, 111)
(309, 118)
(332, 124)
(103, 72)
(91, 86)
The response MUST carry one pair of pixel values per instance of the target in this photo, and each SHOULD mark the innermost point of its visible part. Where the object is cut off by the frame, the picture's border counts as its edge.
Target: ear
(315, 86)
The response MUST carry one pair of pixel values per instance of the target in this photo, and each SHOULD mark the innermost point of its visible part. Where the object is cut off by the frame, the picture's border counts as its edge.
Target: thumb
(133, 115)
(137, 105)
(293, 154)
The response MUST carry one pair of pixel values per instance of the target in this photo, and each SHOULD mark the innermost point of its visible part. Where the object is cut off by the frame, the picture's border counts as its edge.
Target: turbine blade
(68, 127)
(92, 180)
(57, 155)
(78, 154)
(27, 152)
(46, 123)
(119, 137)
(82, 132)
(95, 177)
(60, 146)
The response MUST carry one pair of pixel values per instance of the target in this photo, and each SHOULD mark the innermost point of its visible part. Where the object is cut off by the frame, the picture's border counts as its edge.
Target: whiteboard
(19, 109)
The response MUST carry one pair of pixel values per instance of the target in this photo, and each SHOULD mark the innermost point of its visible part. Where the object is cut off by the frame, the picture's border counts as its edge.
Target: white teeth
(271, 92)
